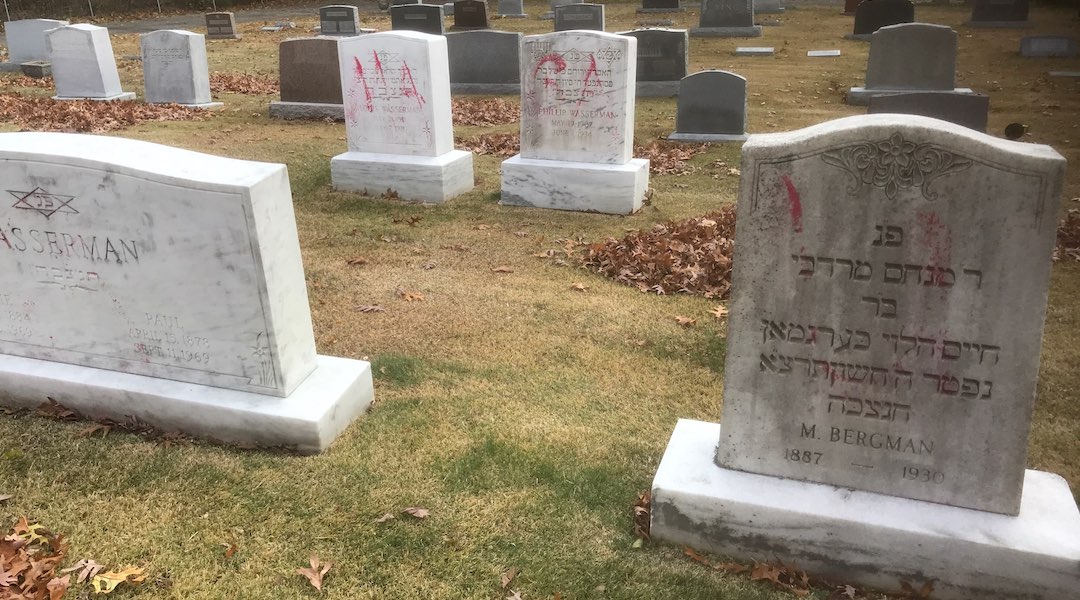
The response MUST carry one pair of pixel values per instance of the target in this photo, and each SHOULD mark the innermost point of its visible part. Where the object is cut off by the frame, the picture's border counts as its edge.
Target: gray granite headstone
(339, 19)
(83, 64)
(175, 69)
(755, 51)
(660, 6)
(26, 39)
(762, 7)
(726, 18)
(579, 16)
(711, 108)
(425, 18)
(872, 15)
(909, 57)
(221, 26)
(470, 14)
(662, 60)
(1040, 46)
(310, 79)
(514, 9)
(1000, 13)
(969, 110)
(555, 4)
(484, 62)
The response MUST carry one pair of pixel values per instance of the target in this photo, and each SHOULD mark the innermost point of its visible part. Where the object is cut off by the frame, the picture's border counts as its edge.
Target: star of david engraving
(43, 202)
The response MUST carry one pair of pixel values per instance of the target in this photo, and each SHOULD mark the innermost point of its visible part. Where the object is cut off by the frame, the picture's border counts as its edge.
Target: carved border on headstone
(895, 164)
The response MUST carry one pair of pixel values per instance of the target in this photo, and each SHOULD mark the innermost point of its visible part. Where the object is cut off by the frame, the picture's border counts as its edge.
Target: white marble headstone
(174, 67)
(26, 39)
(83, 65)
(396, 90)
(577, 97)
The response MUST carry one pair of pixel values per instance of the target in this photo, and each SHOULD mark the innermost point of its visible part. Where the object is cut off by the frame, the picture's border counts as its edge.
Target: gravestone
(396, 86)
(850, 6)
(472, 70)
(221, 26)
(339, 19)
(555, 4)
(755, 51)
(872, 15)
(512, 9)
(425, 18)
(764, 7)
(166, 285)
(1000, 14)
(822, 53)
(726, 18)
(579, 16)
(26, 40)
(660, 6)
(470, 14)
(310, 79)
(711, 108)
(83, 64)
(894, 65)
(969, 110)
(889, 288)
(174, 68)
(1043, 46)
(661, 60)
(577, 125)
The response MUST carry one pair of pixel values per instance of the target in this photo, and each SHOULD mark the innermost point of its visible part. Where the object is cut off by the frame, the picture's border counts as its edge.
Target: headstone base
(769, 11)
(647, 11)
(860, 96)
(120, 96)
(1064, 73)
(755, 51)
(234, 36)
(10, 67)
(725, 32)
(548, 16)
(858, 37)
(865, 538)
(199, 106)
(585, 187)
(708, 137)
(36, 69)
(458, 28)
(338, 391)
(521, 16)
(306, 111)
(657, 89)
(419, 178)
(505, 89)
(999, 24)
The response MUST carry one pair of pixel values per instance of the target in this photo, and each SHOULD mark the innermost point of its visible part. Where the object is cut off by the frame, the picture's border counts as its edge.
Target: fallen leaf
(105, 583)
(719, 312)
(507, 577)
(369, 308)
(315, 573)
(514, 596)
(4, 497)
(86, 568)
(521, 233)
(695, 556)
(429, 266)
(483, 227)
(357, 261)
(385, 518)
(685, 321)
(94, 428)
(416, 511)
(412, 297)
(502, 269)
(579, 287)
(230, 549)
(57, 586)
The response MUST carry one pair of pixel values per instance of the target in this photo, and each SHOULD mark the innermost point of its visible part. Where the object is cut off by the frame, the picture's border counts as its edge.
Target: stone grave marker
(1000, 14)
(221, 26)
(339, 19)
(310, 79)
(711, 108)
(174, 68)
(888, 296)
(83, 64)
(512, 9)
(764, 7)
(969, 110)
(755, 51)
(660, 6)
(148, 281)
(894, 64)
(872, 15)
(425, 18)
(396, 86)
(822, 53)
(577, 125)
(472, 70)
(470, 14)
(850, 6)
(1043, 46)
(26, 40)
(555, 4)
(726, 18)
(662, 60)
(579, 16)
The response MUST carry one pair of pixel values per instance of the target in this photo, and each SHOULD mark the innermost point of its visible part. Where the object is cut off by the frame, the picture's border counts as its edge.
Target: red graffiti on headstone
(590, 73)
(408, 86)
(369, 98)
(554, 59)
(794, 204)
(379, 70)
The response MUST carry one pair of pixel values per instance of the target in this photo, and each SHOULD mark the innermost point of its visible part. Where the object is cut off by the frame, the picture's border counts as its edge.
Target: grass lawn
(526, 415)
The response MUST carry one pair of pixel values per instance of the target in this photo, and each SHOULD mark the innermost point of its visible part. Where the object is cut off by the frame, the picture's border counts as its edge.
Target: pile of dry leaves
(498, 144)
(243, 83)
(45, 83)
(45, 114)
(485, 112)
(669, 158)
(691, 256)
(1068, 237)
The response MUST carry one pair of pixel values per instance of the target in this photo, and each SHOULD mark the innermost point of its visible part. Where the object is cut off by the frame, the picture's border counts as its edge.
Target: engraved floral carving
(895, 164)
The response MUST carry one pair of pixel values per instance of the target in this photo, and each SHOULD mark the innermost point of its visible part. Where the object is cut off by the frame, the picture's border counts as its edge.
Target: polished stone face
(425, 18)
(484, 56)
(889, 291)
(712, 102)
(912, 56)
(135, 257)
(579, 16)
(727, 13)
(872, 15)
(221, 25)
(174, 67)
(339, 20)
(83, 65)
(309, 71)
(661, 54)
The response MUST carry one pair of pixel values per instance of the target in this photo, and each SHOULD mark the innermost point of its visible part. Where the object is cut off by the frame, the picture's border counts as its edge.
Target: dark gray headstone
(1000, 13)
(762, 7)
(221, 26)
(969, 110)
(872, 15)
(650, 6)
(555, 4)
(579, 16)
(425, 18)
(726, 18)
(711, 107)
(484, 62)
(661, 60)
(1048, 46)
(470, 14)
(308, 70)
(850, 6)
(909, 57)
(512, 8)
(339, 20)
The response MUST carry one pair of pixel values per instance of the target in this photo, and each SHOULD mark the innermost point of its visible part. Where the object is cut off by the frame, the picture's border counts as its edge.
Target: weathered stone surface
(726, 18)
(661, 54)
(1000, 13)
(174, 68)
(555, 4)
(969, 110)
(339, 19)
(309, 71)
(512, 9)
(711, 108)
(424, 18)
(763, 7)
(221, 26)
(470, 14)
(26, 39)
(659, 6)
(83, 64)
(754, 51)
(1040, 46)
(822, 53)
(484, 61)
(889, 291)
(872, 15)
(579, 16)
(909, 57)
